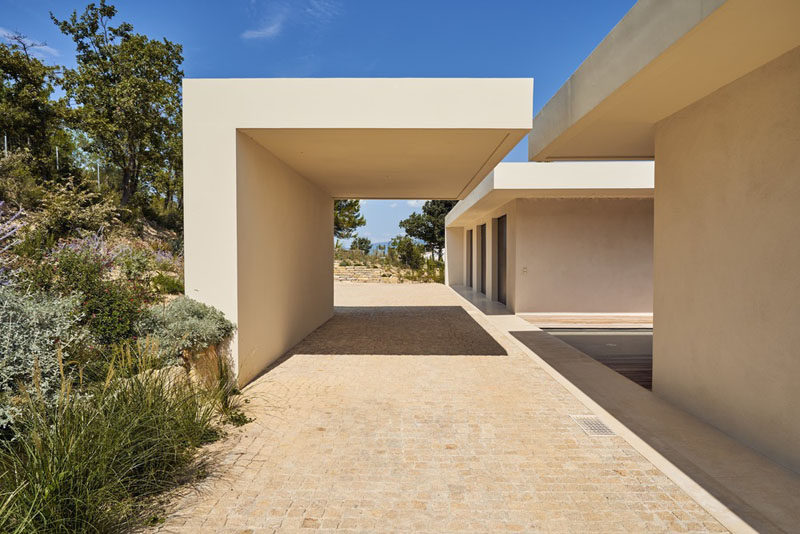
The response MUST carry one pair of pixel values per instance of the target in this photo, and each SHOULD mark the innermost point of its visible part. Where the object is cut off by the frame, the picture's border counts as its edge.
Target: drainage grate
(592, 425)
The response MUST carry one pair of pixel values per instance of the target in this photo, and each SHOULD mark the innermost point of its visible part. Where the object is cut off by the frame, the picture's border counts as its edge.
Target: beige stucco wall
(285, 257)
(210, 247)
(569, 255)
(727, 259)
(240, 257)
(584, 255)
(455, 267)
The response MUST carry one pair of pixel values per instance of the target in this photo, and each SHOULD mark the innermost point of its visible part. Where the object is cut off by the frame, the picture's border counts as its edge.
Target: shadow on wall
(400, 330)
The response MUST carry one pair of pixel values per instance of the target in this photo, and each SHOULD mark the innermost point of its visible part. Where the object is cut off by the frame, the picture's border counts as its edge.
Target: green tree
(168, 180)
(408, 252)
(428, 226)
(126, 90)
(346, 218)
(29, 118)
(18, 184)
(173, 193)
(361, 243)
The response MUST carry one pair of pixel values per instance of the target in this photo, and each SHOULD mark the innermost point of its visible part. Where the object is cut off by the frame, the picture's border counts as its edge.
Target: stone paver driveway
(409, 412)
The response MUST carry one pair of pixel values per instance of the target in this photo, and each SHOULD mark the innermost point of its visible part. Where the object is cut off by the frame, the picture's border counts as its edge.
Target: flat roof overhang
(661, 57)
(430, 138)
(509, 181)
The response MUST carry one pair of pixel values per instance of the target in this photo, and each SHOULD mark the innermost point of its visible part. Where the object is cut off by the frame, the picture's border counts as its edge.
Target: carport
(265, 158)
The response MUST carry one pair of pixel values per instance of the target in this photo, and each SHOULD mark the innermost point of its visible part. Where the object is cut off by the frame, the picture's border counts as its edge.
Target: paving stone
(429, 443)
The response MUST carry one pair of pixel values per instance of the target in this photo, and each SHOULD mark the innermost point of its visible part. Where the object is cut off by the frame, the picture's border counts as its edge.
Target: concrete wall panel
(209, 214)
(285, 257)
(454, 250)
(584, 255)
(727, 259)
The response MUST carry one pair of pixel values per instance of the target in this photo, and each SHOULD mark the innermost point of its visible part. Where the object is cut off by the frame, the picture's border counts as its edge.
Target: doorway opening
(482, 257)
(469, 258)
(501, 259)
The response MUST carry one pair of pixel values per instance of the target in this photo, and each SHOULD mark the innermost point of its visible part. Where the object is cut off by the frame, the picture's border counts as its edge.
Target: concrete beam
(509, 181)
(661, 57)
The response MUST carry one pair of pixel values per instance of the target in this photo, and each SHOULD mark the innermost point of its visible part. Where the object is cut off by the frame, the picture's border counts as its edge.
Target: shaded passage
(401, 330)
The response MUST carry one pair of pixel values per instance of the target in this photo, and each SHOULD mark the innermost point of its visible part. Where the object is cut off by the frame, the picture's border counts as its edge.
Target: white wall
(584, 255)
(573, 255)
(209, 213)
(727, 276)
(454, 256)
(285, 257)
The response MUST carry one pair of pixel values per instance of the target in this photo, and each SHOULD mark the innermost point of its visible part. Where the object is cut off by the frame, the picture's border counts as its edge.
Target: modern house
(557, 237)
(706, 92)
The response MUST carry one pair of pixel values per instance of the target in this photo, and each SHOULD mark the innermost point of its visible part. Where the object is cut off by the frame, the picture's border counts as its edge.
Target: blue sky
(543, 39)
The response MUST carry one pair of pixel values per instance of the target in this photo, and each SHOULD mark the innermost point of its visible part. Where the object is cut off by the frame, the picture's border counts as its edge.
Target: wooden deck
(638, 368)
(589, 320)
(626, 351)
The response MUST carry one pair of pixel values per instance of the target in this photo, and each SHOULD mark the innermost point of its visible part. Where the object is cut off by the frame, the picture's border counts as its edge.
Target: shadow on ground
(760, 492)
(481, 301)
(400, 330)
(629, 352)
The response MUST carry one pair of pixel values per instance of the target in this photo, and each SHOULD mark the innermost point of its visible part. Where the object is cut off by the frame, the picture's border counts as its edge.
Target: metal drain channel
(592, 425)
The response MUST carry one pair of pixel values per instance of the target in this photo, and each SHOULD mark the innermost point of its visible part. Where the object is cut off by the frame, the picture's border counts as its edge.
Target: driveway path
(409, 412)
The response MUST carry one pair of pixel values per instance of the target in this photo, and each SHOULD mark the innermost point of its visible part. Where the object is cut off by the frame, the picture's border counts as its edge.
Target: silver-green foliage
(33, 327)
(184, 325)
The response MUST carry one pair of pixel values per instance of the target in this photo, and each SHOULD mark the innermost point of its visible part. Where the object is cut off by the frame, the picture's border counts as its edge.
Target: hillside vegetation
(110, 379)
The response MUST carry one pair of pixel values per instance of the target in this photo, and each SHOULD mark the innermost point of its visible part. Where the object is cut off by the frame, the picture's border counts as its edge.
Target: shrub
(184, 325)
(165, 260)
(67, 210)
(171, 219)
(176, 244)
(408, 252)
(9, 227)
(136, 264)
(76, 267)
(33, 328)
(166, 284)
(434, 270)
(89, 463)
(110, 308)
(17, 182)
(35, 244)
(361, 243)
